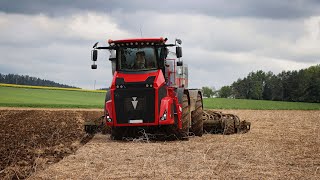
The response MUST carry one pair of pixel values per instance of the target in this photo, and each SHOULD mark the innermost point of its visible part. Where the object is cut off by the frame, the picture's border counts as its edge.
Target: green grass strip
(26, 97)
(224, 103)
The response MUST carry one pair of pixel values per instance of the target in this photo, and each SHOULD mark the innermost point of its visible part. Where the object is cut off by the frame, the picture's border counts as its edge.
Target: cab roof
(160, 40)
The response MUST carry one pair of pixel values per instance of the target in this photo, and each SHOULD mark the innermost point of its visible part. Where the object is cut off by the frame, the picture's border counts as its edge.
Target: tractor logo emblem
(134, 102)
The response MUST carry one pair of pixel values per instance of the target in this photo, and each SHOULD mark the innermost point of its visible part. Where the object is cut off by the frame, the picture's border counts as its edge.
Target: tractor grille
(135, 104)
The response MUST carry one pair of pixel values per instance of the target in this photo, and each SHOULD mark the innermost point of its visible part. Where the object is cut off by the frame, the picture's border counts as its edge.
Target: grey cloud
(278, 39)
(220, 8)
(61, 55)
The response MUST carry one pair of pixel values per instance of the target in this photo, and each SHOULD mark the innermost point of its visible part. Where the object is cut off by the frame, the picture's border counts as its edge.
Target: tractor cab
(141, 55)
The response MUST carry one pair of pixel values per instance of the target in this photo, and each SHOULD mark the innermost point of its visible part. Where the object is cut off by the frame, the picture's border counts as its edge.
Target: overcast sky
(222, 40)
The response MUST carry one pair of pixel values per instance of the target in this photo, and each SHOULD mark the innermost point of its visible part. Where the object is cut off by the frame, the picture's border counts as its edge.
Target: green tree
(207, 91)
(267, 88)
(27, 80)
(240, 89)
(225, 92)
(312, 92)
(302, 85)
(256, 84)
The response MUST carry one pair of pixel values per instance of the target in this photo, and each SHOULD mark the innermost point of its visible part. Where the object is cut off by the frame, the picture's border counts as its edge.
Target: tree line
(29, 80)
(297, 86)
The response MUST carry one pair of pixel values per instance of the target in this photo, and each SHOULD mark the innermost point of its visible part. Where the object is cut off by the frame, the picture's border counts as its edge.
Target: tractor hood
(138, 79)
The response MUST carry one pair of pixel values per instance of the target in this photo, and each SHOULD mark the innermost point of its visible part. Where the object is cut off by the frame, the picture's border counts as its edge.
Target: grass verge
(224, 103)
(48, 98)
(49, 88)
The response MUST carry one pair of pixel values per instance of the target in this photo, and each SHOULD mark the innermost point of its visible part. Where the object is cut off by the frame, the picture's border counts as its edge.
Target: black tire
(196, 118)
(186, 117)
(229, 126)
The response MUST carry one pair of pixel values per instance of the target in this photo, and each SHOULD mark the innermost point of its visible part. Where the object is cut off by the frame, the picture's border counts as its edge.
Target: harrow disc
(218, 122)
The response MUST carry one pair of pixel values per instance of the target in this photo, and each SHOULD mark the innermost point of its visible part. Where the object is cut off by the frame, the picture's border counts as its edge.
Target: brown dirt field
(280, 145)
(31, 139)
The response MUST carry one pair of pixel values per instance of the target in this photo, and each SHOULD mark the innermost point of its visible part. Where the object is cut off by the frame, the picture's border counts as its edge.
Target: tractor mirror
(94, 55)
(179, 63)
(179, 52)
(178, 41)
(95, 45)
(93, 66)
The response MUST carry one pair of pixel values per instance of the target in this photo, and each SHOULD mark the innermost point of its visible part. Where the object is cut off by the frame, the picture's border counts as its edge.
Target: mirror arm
(105, 47)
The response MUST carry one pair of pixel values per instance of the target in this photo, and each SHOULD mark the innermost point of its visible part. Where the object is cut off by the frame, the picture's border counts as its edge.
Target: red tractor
(149, 89)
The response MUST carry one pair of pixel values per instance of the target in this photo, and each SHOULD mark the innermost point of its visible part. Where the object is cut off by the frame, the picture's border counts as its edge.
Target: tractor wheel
(196, 118)
(184, 132)
(229, 127)
(116, 133)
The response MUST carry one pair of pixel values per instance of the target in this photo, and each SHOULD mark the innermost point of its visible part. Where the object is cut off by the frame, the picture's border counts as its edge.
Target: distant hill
(29, 80)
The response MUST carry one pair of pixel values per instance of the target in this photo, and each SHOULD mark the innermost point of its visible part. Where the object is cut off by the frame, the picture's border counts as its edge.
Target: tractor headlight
(149, 85)
(121, 86)
(108, 118)
(164, 116)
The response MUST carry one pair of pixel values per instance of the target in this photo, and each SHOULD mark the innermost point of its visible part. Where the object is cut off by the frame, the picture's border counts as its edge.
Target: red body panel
(165, 106)
(172, 94)
(109, 110)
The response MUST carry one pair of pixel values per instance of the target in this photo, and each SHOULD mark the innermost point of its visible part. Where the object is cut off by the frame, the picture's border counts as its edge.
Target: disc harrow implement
(215, 122)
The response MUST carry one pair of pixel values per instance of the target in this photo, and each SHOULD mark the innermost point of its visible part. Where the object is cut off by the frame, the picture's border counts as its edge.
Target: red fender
(109, 111)
(166, 104)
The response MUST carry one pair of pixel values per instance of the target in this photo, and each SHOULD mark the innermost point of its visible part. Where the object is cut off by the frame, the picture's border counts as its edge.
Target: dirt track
(280, 145)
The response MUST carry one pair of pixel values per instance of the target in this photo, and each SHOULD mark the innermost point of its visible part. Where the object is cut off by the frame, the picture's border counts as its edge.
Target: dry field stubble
(280, 145)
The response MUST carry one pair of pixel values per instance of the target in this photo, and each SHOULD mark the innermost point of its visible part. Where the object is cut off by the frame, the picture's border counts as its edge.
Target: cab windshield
(137, 59)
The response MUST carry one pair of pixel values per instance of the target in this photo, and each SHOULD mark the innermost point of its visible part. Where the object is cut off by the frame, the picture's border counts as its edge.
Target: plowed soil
(280, 145)
(31, 139)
